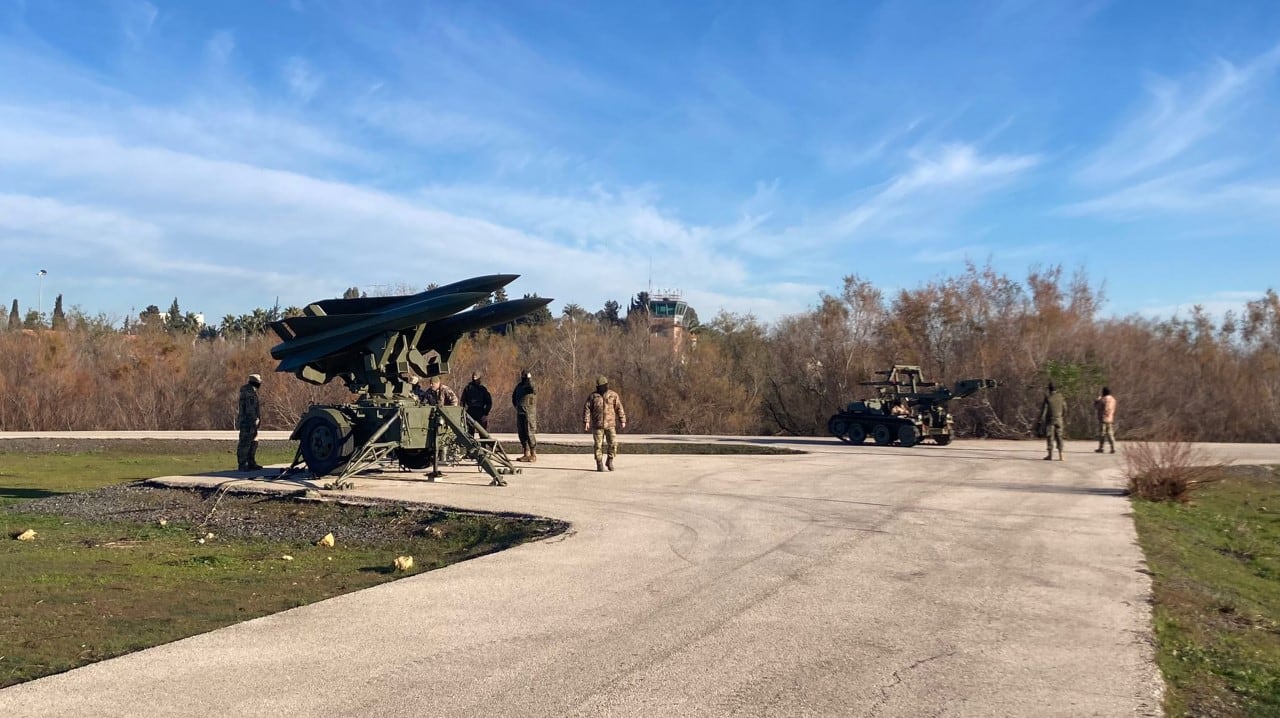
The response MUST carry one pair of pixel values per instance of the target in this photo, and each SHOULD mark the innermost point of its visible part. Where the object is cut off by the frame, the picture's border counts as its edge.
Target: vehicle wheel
(908, 435)
(414, 458)
(322, 443)
(837, 427)
(942, 440)
(882, 435)
(857, 434)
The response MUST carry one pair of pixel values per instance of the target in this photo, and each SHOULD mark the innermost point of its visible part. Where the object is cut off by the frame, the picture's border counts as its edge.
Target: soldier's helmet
(602, 380)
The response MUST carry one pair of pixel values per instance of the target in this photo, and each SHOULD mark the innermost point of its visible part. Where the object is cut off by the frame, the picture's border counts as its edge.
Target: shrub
(1166, 470)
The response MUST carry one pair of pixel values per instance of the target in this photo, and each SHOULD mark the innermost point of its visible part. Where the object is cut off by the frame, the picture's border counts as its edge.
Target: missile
(319, 336)
(487, 284)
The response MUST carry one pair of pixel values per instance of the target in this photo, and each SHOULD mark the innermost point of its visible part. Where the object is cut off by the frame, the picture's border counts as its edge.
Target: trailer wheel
(857, 434)
(882, 435)
(322, 443)
(414, 458)
(942, 440)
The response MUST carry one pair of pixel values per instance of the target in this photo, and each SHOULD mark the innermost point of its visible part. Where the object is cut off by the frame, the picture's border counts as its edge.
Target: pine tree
(15, 319)
(59, 317)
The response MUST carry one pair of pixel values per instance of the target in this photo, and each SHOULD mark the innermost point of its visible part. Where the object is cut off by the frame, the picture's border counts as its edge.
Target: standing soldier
(478, 401)
(248, 416)
(1105, 405)
(1053, 415)
(525, 399)
(603, 415)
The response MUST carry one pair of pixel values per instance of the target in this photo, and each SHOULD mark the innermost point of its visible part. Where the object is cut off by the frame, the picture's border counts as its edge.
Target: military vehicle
(906, 410)
(378, 347)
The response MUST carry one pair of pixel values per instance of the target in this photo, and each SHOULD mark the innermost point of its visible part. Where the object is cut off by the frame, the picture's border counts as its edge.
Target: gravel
(261, 516)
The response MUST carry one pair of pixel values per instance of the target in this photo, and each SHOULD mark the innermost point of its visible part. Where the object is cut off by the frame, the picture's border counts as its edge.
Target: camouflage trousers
(527, 428)
(248, 442)
(1053, 437)
(605, 437)
(1107, 434)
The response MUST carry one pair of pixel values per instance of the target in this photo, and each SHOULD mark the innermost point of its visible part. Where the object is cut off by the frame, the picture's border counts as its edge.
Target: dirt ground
(260, 516)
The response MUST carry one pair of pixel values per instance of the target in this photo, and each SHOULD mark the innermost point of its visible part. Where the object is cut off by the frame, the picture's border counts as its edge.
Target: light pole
(40, 302)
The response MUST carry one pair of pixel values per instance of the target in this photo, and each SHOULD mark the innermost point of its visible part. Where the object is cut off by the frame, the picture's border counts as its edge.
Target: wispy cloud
(136, 20)
(303, 81)
(1179, 117)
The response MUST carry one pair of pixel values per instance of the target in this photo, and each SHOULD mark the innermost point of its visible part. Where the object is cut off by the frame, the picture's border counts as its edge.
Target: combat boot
(1099, 450)
(599, 465)
(533, 456)
(1049, 456)
(608, 463)
(1061, 457)
(253, 464)
(525, 455)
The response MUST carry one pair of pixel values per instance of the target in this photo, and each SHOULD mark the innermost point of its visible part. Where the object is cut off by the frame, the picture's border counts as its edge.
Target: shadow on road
(1059, 489)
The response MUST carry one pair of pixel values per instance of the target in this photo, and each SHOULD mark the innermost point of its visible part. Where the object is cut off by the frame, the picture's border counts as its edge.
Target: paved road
(970, 580)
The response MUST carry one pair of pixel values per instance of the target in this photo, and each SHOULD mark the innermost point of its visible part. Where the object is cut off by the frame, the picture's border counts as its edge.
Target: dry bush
(1166, 470)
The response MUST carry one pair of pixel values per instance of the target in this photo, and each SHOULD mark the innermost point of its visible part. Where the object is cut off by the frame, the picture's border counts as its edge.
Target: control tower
(666, 316)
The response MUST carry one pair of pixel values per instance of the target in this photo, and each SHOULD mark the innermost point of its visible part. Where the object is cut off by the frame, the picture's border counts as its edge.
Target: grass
(1216, 566)
(85, 590)
(43, 470)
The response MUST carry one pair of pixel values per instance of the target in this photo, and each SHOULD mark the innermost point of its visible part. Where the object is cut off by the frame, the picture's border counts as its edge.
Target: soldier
(603, 415)
(438, 394)
(900, 408)
(1053, 416)
(1105, 405)
(248, 416)
(525, 399)
(478, 401)
(433, 392)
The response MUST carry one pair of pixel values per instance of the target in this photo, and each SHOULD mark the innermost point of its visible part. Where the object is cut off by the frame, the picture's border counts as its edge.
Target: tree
(538, 317)
(691, 319)
(639, 307)
(59, 321)
(610, 315)
(15, 320)
(150, 318)
(34, 320)
(351, 293)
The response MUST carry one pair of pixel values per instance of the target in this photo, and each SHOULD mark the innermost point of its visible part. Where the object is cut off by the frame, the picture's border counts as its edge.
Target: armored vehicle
(906, 410)
(380, 347)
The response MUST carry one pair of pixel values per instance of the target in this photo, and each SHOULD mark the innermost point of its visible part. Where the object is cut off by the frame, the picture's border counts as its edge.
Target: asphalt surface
(968, 580)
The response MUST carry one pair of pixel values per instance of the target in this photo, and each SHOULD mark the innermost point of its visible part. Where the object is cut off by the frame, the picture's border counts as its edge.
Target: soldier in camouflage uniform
(248, 416)
(1053, 416)
(525, 399)
(602, 416)
(433, 393)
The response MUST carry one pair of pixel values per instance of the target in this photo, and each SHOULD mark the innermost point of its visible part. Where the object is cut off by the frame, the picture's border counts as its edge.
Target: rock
(28, 535)
(327, 541)
(403, 563)
(286, 557)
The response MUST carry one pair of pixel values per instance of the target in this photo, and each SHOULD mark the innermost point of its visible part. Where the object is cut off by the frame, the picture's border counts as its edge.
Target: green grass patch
(1216, 567)
(46, 468)
(105, 576)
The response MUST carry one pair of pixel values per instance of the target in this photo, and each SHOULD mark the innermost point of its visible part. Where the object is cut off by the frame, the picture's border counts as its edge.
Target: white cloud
(136, 20)
(303, 81)
(219, 48)
(1179, 117)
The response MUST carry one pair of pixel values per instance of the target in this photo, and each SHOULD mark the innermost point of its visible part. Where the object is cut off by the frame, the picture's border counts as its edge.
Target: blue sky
(750, 154)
